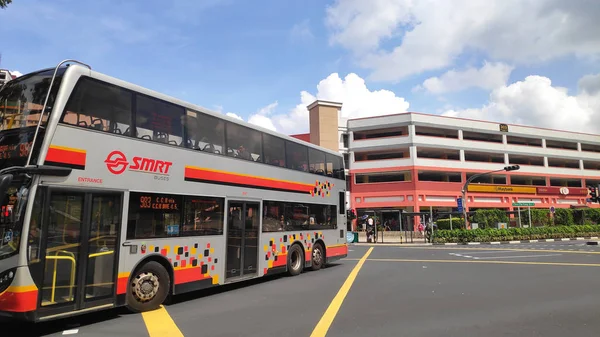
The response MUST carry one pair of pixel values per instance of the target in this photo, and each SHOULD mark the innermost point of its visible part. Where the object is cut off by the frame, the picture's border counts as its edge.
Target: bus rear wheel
(148, 288)
(318, 256)
(295, 260)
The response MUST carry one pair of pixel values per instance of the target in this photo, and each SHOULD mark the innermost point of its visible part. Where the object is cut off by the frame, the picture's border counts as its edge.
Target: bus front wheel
(318, 256)
(148, 288)
(295, 260)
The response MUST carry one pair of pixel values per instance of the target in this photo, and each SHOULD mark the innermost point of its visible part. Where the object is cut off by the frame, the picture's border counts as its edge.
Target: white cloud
(352, 92)
(231, 114)
(400, 38)
(301, 31)
(534, 101)
(590, 84)
(261, 118)
(490, 76)
(357, 101)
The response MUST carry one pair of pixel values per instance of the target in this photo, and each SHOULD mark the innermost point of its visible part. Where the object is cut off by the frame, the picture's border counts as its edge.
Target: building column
(411, 130)
(544, 143)
(504, 140)
(545, 161)
(460, 134)
(461, 154)
(506, 160)
(578, 146)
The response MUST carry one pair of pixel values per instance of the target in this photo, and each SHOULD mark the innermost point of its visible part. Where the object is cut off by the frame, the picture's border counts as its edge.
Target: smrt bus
(116, 195)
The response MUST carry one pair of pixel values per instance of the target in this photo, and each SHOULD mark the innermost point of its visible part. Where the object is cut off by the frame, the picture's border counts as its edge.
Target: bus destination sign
(162, 203)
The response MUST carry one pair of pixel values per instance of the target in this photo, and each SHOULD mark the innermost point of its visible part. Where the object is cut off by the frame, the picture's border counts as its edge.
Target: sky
(532, 62)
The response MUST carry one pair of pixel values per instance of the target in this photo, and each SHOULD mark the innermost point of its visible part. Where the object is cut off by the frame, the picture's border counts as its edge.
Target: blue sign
(8, 237)
(173, 230)
(349, 237)
(459, 204)
(552, 209)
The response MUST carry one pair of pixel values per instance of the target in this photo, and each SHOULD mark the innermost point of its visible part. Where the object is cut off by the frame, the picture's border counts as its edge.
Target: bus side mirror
(5, 181)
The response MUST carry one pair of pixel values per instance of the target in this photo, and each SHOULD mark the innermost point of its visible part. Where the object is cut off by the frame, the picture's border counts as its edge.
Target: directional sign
(459, 204)
(552, 209)
(523, 204)
(349, 237)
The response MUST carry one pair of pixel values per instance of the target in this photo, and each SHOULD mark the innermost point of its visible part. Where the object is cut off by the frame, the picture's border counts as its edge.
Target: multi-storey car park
(414, 162)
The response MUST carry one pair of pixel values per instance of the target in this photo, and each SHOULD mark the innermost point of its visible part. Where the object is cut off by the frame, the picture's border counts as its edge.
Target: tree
(4, 3)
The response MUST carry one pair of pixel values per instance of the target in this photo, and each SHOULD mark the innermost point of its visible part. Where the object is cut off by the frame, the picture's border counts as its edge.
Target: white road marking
(512, 257)
(70, 332)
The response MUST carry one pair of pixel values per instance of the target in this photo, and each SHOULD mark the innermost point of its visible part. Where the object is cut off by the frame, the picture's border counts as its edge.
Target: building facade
(418, 163)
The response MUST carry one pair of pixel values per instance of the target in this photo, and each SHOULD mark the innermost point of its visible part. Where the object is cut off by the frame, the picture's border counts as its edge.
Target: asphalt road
(538, 289)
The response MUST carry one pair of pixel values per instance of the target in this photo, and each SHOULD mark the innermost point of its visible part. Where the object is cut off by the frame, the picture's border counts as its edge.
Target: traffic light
(593, 194)
(351, 214)
(512, 168)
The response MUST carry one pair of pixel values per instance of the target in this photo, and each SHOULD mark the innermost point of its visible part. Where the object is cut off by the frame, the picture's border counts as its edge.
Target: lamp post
(466, 185)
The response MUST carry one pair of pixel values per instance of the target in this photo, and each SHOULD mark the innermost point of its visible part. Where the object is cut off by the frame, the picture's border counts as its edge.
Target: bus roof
(146, 91)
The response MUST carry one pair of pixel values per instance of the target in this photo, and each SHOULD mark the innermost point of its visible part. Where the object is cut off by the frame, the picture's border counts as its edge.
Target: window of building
(296, 156)
(243, 142)
(159, 121)
(99, 106)
(345, 140)
(203, 216)
(346, 160)
(274, 150)
(316, 159)
(205, 133)
(153, 215)
(289, 216)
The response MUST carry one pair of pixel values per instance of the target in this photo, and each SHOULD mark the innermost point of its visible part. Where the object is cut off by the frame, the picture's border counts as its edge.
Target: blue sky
(242, 56)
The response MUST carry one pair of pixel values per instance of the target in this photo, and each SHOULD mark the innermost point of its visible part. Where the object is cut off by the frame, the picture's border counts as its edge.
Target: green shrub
(531, 233)
(488, 218)
(564, 216)
(445, 223)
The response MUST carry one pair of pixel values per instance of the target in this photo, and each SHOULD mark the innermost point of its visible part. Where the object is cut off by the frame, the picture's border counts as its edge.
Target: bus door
(79, 260)
(243, 223)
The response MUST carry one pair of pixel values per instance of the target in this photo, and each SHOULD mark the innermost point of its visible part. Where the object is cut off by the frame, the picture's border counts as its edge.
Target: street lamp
(475, 176)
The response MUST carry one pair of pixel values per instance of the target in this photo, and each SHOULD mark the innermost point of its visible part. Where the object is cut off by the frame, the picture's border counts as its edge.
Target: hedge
(509, 234)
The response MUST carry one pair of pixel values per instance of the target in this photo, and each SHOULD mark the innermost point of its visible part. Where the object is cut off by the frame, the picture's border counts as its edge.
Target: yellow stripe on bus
(247, 175)
(67, 148)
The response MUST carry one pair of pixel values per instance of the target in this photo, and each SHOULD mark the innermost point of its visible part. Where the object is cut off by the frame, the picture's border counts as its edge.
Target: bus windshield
(21, 102)
(11, 216)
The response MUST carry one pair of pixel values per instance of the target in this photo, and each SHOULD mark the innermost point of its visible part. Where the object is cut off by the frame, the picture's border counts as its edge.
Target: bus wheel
(148, 288)
(295, 260)
(318, 256)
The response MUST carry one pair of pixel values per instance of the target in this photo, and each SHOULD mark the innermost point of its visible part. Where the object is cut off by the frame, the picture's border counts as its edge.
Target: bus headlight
(6, 278)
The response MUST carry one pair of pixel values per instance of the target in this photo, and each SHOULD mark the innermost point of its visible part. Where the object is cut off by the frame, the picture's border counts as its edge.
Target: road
(538, 289)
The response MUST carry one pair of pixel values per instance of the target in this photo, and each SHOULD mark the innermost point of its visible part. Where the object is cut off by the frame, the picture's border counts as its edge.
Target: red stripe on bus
(230, 177)
(189, 275)
(18, 301)
(337, 250)
(122, 285)
(66, 155)
(281, 261)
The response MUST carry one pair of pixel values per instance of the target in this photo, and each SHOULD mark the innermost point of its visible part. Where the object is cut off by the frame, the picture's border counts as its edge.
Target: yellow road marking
(325, 322)
(159, 323)
(488, 261)
(474, 248)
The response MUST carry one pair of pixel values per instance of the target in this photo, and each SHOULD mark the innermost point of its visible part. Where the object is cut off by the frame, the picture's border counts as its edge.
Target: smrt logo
(117, 163)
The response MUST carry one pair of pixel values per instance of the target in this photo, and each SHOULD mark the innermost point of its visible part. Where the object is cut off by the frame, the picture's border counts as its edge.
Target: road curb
(480, 243)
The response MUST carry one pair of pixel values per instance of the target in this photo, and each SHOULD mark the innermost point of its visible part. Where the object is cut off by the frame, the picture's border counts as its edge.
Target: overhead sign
(523, 204)
(501, 189)
(563, 190)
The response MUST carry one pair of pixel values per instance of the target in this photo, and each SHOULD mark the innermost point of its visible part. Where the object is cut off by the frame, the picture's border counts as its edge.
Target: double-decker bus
(116, 195)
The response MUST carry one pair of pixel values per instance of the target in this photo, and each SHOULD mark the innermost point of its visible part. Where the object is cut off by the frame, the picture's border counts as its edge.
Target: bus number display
(159, 203)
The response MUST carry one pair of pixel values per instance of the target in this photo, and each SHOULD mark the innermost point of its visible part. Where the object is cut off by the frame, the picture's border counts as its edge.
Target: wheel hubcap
(317, 255)
(145, 286)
